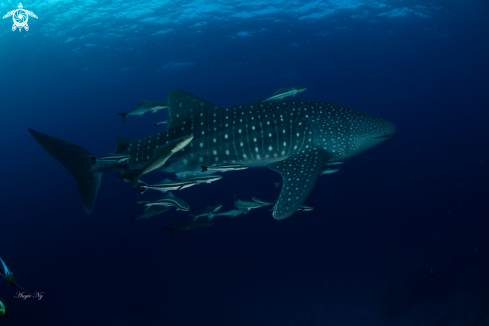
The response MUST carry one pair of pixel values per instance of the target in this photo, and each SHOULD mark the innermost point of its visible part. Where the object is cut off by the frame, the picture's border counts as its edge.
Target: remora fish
(166, 185)
(150, 212)
(190, 225)
(111, 158)
(159, 123)
(329, 171)
(283, 93)
(291, 137)
(224, 167)
(334, 163)
(210, 212)
(158, 159)
(305, 209)
(204, 178)
(233, 213)
(300, 209)
(142, 108)
(169, 200)
(259, 201)
(247, 205)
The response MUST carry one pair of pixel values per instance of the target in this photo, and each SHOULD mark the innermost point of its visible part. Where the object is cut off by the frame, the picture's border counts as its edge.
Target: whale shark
(296, 138)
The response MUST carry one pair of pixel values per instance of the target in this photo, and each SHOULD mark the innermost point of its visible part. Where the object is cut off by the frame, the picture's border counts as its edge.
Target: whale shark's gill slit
(384, 136)
(299, 173)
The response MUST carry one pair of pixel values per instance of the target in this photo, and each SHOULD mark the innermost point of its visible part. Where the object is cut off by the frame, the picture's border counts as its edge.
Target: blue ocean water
(397, 237)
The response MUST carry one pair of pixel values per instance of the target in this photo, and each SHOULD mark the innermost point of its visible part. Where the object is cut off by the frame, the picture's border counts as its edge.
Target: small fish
(166, 185)
(283, 93)
(224, 168)
(150, 212)
(169, 200)
(210, 212)
(110, 158)
(329, 171)
(160, 123)
(233, 213)
(334, 163)
(190, 225)
(277, 184)
(3, 310)
(247, 205)
(204, 179)
(9, 276)
(142, 108)
(156, 162)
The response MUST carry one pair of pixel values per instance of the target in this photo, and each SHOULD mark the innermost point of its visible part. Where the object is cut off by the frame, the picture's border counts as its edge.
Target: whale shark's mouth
(385, 136)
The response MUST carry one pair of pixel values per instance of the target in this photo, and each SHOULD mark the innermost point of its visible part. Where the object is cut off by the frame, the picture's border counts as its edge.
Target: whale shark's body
(295, 138)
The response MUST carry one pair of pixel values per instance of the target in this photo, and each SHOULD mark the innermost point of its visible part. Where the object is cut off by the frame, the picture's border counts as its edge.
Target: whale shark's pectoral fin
(299, 173)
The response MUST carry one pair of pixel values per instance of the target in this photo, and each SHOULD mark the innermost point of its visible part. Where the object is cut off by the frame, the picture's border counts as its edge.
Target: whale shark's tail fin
(78, 162)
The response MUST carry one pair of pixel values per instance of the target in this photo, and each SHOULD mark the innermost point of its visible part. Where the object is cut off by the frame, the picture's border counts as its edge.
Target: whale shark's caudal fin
(299, 173)
(78, 162)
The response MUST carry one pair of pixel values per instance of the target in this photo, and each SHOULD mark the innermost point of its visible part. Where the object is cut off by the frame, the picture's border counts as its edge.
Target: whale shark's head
(369, 132)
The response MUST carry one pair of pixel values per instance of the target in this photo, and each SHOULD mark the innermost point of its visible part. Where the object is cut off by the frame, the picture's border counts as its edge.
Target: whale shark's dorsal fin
(185, 107)
(299, 173)
(121, 144)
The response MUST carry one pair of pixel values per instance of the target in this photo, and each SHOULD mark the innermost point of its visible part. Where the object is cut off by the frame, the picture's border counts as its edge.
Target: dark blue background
(399, 238)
